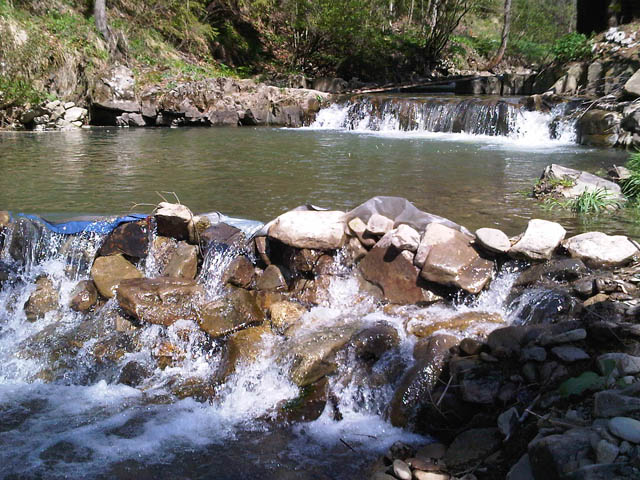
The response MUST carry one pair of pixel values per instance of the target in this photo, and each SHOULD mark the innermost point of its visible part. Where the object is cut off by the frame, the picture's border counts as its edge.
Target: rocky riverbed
(547, 390)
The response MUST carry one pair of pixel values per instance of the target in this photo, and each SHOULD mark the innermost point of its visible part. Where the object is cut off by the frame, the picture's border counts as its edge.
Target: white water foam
(527, 129)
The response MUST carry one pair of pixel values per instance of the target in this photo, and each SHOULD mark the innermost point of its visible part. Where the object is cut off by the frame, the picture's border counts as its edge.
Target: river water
(63, 413)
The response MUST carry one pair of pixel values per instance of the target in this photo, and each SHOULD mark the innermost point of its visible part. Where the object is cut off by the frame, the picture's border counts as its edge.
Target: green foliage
(594, 202)
(587, 203)
(19, 91)
(631, 185)
(572, 47)
(587, 381)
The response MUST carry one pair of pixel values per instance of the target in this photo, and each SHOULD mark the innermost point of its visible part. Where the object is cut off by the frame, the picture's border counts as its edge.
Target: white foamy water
(501, 124)
(65, 414)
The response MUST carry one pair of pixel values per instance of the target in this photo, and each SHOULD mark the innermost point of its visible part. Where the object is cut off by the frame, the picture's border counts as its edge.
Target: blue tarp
(74, 227)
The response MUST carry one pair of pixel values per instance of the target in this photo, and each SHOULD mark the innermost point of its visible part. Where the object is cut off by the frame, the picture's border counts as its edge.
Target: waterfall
(472, 116)
(68, 414)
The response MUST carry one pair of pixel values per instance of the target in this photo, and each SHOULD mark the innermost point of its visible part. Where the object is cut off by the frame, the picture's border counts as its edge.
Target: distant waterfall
(494, 117)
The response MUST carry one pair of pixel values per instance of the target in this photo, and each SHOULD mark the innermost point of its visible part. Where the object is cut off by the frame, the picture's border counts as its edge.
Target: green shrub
(594, 202)
(572, 47)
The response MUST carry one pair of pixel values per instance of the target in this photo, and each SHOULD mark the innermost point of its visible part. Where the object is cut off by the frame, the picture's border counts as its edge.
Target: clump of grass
(587, 203)
(631, 186)
(594, 202)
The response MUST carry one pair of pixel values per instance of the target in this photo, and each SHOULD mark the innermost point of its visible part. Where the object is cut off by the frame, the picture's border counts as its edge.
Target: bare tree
(116, 43)
(505, 37)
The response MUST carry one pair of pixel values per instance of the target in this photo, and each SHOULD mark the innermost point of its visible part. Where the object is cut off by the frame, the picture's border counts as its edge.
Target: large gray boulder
(115, 90)
(632, 87)
(318, 230)
(599, 128)
(572, 183)
(597, 249)
(539, 241)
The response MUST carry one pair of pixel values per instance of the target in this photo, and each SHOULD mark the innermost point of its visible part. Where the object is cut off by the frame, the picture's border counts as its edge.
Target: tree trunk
(505, 36)
(100, 15)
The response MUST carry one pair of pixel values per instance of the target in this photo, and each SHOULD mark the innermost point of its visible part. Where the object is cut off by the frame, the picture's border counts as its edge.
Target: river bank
(378, 311)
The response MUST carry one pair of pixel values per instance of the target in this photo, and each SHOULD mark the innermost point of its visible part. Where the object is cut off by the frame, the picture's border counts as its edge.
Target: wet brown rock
(162, 300)
(183, 262)
(394, 272)
(240, 272)
(372, 342)
(431, 355)
(84, 296)
(314, 291)
(457, 264)
(43, 300)
(285, 314)
(312, 355)
(108, 272)
(271, 279)
(309, 405)
(130, 239)
(237, 311)
(459, 323)
(222, 235)
(243, 347)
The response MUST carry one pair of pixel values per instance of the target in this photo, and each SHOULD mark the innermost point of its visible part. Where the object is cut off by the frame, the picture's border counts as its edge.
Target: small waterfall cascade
(492, 117)
(80, 396)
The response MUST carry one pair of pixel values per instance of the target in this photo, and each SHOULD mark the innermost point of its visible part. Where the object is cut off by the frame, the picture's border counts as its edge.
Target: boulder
(597, 249)
(320, 230)
(625, 428)
(570, 354)
(285, 314)
(223, 236)
(358, 228)
(416, 383)
(455, 263)
(243, 347)
(631, 123)
(115, 90)
(493, 240)
(240, 272)
(75, 114)
(176, 221)
(623, 363)
(539, 241)
(311, 355)
(236, 311)
(161, 301)
(572, 183)
(405, 238)
(599, 128)
(554, 456)
(560, 270)
(130, 239)
(394, 272)
(434, 234)
(373, 341)
(44, 299)
(379, 224)
(471, 447)
(611, 403)
(108, 272)
(183, 262)
(271, 279)
(458, 323)
(84, 296)
(632, 87)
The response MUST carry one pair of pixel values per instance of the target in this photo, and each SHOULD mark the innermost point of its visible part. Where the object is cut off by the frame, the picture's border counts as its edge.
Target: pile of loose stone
(54, 115)
(556, 396)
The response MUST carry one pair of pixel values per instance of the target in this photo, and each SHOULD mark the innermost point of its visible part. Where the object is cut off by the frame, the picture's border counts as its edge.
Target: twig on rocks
(347, 445)
(444, 392)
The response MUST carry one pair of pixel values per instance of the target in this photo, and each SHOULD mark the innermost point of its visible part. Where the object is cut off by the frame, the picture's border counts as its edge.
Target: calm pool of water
(259, 173)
